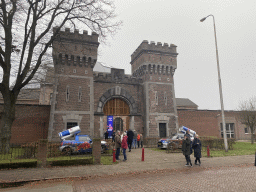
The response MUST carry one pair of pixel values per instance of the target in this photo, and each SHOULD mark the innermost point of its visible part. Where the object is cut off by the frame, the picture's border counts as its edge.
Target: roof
(32, 94)
(184, 102)
(100, 67)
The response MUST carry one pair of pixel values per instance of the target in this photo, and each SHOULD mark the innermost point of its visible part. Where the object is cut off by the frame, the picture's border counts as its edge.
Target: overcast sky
(178, 22)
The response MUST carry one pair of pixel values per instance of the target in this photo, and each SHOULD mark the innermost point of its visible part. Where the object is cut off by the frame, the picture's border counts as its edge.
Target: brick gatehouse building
(143, 101)
(81, 91)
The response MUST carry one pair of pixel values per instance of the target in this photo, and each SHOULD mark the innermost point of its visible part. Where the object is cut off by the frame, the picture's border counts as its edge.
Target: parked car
(80, 143)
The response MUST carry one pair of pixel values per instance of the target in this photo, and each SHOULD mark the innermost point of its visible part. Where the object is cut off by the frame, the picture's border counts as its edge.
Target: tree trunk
(7, 119)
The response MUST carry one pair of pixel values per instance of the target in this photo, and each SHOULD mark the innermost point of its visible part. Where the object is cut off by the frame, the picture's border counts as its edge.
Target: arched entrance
(120, 110)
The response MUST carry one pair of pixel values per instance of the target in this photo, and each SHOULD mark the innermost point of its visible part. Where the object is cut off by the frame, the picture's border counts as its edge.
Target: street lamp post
(220, 87)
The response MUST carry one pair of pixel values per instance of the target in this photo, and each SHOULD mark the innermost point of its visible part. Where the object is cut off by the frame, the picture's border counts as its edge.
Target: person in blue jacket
(196, 145)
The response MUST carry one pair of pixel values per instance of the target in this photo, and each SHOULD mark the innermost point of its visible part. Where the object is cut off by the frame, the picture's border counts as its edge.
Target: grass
(239, 148)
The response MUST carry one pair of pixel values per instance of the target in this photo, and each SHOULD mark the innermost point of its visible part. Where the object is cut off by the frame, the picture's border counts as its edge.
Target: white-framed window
(246, 130)
(67, 93)
(230, 130)
(156, 97)
(165, 98)
(79, 94)
(71, 124)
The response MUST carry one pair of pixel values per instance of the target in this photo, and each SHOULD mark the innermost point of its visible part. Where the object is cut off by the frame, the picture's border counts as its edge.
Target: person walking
(138, 140)
(186, 145)
(134, 143)
(113, 136)
(141, 140)
(124, 146)
(130, 139)
(196, 145)
(106, 135)
(118, 144)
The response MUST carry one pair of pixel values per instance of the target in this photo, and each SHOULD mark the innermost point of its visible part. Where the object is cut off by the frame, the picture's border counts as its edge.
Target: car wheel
(67, 151)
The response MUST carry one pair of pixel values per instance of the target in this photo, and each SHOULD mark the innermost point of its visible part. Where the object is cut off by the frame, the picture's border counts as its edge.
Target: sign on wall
(110, 126)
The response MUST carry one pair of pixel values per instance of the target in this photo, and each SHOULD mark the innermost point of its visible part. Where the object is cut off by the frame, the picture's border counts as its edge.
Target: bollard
(255, 160)
(208, 151)
(114, 156)
(142, 158)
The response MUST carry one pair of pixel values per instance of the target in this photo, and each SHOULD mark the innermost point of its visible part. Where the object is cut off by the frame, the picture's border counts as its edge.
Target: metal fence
(150, 142)
(20, 151)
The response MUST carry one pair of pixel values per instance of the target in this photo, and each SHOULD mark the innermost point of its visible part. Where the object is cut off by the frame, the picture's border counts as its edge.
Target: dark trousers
(197, 159)
(138, 142)
(141, 144)
(124, 152)
(188, 159)
(117, 153)
(129, 145)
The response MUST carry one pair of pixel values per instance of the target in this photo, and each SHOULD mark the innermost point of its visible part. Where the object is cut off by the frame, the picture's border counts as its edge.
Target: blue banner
(110, 126)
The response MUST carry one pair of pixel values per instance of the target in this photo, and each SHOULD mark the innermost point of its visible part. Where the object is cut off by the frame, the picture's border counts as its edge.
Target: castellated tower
(156, 64)
(74, 57)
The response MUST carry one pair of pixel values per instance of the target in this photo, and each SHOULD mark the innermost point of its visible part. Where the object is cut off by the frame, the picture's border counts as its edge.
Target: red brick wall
(205, 123)
(30, 124)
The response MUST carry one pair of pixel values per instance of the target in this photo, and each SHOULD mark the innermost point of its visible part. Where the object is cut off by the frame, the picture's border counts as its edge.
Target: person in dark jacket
(106, 135)
(196, 145)
(186, 145)
(118, 144)
(130, 135)
(113, 136)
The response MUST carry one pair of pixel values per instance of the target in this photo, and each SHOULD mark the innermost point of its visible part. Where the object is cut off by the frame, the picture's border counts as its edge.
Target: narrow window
(67, 93)
(165, 98)
(156, 98)
(72, 60)
(79, 94)
(84, 61)
(78, 61)
(66, 59)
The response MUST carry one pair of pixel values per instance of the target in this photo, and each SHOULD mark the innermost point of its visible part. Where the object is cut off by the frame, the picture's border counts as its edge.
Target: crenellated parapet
(154, 48)
(76, 36)
(109, 78)
(154, 69)
(160, 57)
(75, 49)
(76, 60)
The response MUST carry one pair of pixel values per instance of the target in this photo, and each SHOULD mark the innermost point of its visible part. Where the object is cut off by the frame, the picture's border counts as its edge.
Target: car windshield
(84, 138)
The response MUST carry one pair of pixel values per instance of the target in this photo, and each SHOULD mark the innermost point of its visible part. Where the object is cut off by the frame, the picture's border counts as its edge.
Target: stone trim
(71, 117)
(118, 92)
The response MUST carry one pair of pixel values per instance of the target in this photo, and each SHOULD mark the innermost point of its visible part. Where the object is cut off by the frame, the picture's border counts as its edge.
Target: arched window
(116, 107)
(118, 124)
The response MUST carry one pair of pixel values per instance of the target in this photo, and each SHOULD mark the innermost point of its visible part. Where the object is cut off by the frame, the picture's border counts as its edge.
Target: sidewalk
(153, 160)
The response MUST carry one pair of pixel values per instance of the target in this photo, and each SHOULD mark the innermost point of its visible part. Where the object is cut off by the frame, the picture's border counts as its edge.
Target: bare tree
(247, 115)
(26, 36)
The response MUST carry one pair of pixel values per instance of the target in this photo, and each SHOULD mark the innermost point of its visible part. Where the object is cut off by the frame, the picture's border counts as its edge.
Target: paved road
(235, 178)
(192, 179)
(214, 172)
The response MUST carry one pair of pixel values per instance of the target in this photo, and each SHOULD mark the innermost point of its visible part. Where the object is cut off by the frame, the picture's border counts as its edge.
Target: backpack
(138, 137)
